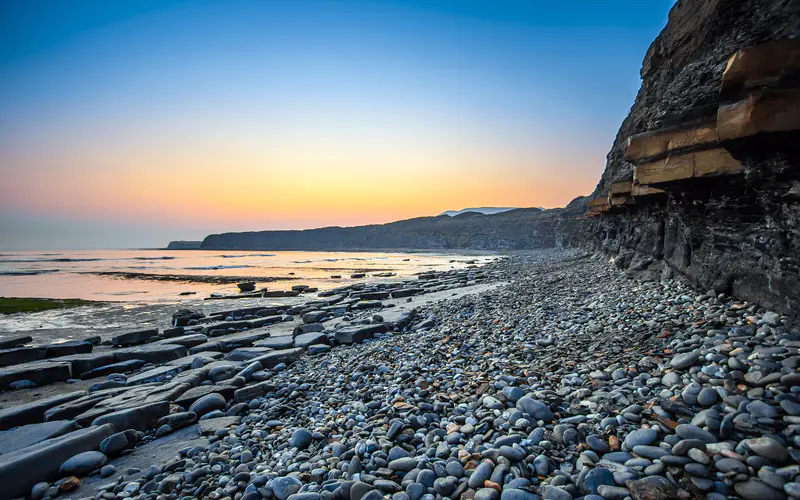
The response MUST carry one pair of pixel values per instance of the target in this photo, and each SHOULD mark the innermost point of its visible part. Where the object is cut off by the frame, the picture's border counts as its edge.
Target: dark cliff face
(703, 177)
(515, 229)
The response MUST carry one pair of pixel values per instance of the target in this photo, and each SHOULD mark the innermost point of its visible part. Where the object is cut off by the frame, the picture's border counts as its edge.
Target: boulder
(178, 420)
(82, 464)
(187, 399)
(182, 317)
(115, 444)
(208, 403)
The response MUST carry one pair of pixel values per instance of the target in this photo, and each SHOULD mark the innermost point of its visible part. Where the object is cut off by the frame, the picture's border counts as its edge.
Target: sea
(141, 288)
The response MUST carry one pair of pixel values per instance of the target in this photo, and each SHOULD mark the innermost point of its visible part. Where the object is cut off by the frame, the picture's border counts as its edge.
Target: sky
(129, 124)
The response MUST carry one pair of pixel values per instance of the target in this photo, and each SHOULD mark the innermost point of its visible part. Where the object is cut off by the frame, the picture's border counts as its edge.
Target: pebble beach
(560, 377)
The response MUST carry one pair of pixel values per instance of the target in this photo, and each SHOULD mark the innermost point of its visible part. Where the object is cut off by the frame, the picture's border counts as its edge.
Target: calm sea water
(73, 274)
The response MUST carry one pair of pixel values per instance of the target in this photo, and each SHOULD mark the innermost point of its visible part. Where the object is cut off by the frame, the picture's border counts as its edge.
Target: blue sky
(126, 122)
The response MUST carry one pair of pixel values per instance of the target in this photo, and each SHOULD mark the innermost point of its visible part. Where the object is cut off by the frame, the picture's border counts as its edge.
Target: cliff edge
(702, 179)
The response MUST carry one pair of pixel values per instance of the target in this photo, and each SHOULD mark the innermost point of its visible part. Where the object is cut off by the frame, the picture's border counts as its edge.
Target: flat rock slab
(67, 348)
(39, 373)
(133, 338)
(15, 341)
(253, 391)
(158, 374)
(33, 412)
(186, 341)
(152, 353)
(17, 355)
(225, 327)
(244, 339)
(72, 409)
(271, 359)
(133, 397)
(267, 320)
(406, 292)
(82, 363)
(186, 361)
(358, 333)
(27, 435)
(277, 343)
(212, 425)
(308, 339)
(121, 367)
(140, 418)
(212, 346)
(247, 353)
(21, 469)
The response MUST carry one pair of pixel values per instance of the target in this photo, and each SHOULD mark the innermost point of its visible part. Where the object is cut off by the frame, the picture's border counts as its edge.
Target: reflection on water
(69, 274)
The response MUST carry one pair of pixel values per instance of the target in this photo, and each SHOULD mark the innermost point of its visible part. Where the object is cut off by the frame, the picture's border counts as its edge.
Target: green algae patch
(11, 305)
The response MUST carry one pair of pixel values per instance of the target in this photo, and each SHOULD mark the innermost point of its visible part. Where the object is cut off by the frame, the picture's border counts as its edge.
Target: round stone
(301, 439)
(208, 403)
(82, 463)
(707, 397)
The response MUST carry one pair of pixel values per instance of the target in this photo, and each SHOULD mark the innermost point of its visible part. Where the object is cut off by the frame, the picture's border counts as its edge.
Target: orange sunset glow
(297, 115)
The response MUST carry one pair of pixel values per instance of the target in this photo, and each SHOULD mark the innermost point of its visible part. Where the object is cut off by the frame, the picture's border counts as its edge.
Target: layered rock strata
(702, 179)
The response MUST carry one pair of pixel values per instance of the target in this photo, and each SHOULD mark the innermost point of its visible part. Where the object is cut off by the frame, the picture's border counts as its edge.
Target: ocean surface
(144, 287)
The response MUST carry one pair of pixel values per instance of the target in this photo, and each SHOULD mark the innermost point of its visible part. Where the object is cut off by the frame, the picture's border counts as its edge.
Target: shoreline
(16, 305)
(188, 278)
(558, 375)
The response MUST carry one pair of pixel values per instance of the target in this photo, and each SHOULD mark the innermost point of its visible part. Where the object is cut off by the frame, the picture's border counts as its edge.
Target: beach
(539, 375)
(141, 288)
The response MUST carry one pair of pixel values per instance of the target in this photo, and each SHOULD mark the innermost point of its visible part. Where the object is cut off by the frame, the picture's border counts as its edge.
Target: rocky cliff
(514, 229)
(702, 179)
(184, 245)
